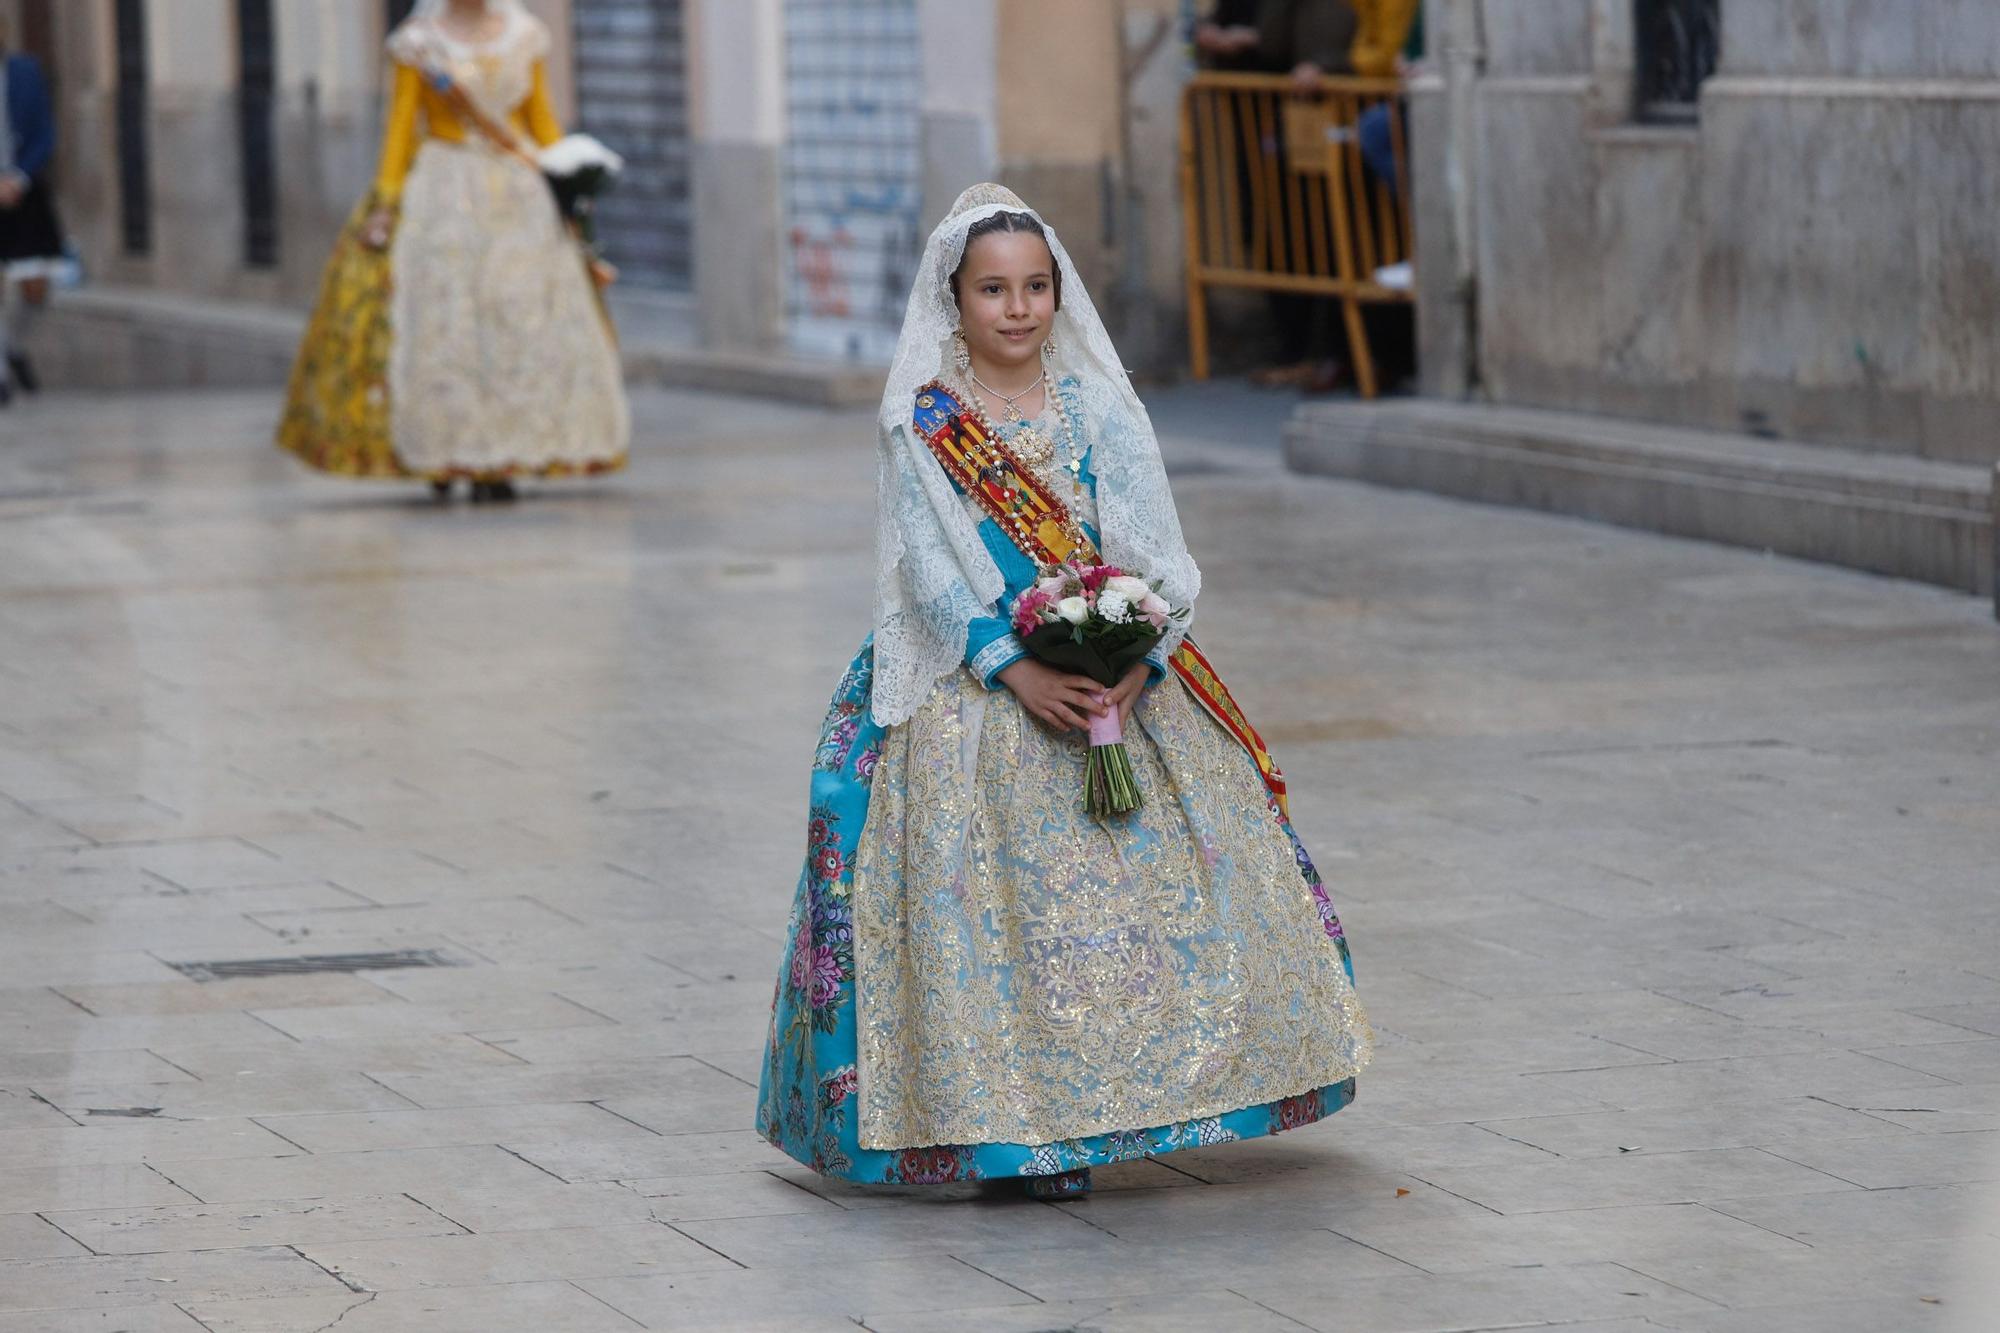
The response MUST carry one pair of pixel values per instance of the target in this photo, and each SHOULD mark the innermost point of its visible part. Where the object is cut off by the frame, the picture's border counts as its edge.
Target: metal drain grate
(229, 968)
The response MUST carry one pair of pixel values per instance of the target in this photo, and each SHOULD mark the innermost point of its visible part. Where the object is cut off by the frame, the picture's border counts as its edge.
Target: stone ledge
(1884, 513)
(134, 338)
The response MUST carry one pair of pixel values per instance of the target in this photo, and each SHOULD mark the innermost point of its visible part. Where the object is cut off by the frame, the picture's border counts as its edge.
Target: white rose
(1113, 606)
(1132, 590)
(1152, 604)
(1073, 609)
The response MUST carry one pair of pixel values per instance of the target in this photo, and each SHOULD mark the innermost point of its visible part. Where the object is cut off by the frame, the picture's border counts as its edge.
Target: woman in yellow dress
(458, 333)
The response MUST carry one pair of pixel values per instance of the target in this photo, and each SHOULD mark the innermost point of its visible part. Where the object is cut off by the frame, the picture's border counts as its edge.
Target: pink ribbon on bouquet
(1106, 728)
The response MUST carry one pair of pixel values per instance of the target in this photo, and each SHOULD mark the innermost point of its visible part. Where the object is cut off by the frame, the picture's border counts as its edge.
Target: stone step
(1886, 513)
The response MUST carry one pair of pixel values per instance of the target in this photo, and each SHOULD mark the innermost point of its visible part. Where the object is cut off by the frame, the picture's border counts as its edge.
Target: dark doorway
(256, 119)
(135, 186)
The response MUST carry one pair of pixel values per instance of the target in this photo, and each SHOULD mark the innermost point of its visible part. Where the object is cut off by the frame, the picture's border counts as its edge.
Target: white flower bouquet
(1097, 621)
(579, 168)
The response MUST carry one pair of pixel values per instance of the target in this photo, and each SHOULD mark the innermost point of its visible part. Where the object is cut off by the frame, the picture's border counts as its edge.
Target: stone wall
(1818, 258)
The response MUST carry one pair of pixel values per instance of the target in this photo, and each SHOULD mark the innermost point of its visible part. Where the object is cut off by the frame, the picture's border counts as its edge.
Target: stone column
(960, 99)
(1444, 163)
(737, 72)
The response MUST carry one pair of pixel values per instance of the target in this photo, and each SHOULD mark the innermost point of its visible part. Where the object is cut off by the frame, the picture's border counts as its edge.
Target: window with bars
(256, 107)
(1678, 44)
(135, 190)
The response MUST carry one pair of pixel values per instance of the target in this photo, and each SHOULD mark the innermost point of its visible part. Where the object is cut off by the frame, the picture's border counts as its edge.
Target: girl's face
(1007, 299)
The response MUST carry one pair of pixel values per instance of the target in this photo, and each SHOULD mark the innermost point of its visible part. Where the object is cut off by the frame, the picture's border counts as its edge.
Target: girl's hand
(1065, 702)
(1125, 694)
(376, 230)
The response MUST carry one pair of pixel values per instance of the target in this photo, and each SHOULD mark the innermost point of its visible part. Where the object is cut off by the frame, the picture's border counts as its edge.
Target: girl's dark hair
(994, 225)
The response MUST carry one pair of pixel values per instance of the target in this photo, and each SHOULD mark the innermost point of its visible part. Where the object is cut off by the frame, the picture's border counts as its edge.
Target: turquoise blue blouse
(991, 646)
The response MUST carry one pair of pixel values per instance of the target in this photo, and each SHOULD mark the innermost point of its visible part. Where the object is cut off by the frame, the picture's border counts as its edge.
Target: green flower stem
(1109, 785)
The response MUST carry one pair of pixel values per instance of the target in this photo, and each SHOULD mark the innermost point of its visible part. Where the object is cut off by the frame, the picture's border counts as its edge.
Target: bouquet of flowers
(579, 168)
(1098, 621)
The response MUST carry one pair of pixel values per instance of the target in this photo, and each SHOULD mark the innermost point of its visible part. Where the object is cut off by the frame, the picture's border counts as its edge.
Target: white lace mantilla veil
(415, 40)
(933, 575)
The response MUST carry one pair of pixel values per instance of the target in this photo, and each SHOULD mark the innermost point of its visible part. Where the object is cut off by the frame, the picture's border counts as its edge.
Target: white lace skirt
(500, 361)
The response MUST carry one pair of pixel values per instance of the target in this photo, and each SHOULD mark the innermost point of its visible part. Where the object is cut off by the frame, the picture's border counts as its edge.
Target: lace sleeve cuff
(996, 657)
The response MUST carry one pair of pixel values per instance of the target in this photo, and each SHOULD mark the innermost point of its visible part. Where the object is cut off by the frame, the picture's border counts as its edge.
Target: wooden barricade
(1279, 198)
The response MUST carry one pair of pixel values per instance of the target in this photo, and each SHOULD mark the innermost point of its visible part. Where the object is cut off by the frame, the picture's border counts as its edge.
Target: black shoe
(500, 492)
(24, 373)
(6, 393)
(441, 490)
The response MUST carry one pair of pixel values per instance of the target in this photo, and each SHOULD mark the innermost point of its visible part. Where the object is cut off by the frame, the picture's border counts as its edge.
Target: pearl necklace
(1013, 412)
(1032, 445)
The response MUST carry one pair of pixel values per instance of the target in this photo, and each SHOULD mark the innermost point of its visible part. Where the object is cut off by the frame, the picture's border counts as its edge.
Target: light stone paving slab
(28, 1236)
(237, 1095)
(858, 1289)
(89, 1066)
(20, 1108)
(1184, 1312)
(552, 1206)
(159, 1279)
(1643, 846)
(122, 1319)
(522, 1307)
(637, 1250)
(371, 1055)
(1745, 1124)
(181, 996)
(1505, 1299)
(501, 1014)
(86, 1185)
(1871, 1316)
(1630, 1234)
(1606, 1182)
(331, 1175)
(765, 1243)
(741, 1194)
(668, 1077)
(360, 1132)
(1105, 1267)
(1917, 1212)
(1911, 1270)
(79, 1032)
(106, 1141)
(230, 1226)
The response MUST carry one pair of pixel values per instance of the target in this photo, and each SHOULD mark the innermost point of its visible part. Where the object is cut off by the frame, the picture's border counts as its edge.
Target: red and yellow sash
(1041, 526)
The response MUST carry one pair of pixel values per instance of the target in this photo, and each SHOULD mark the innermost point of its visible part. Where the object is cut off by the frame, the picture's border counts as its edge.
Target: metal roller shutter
(631, 92)
(853, 168)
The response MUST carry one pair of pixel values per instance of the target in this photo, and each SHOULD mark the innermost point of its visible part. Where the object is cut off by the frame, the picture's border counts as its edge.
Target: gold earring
(961, 355)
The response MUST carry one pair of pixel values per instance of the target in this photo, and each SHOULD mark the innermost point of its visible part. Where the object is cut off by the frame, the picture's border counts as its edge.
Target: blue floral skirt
(808, 1103)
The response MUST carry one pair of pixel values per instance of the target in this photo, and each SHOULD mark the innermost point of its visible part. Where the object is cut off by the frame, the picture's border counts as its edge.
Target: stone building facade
(1812, 251)
(787, 155)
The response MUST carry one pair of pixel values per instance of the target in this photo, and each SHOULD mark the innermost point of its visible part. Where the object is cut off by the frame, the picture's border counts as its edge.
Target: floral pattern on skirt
(807, 1103)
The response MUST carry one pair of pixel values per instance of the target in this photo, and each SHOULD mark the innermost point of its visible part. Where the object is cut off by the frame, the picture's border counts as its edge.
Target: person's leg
(31, 297)
(10, 318)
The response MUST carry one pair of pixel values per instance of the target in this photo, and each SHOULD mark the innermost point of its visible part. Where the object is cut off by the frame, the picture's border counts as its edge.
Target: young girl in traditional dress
(983, 981)
(458, 333)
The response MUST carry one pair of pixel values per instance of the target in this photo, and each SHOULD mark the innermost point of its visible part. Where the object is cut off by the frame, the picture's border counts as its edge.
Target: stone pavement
(1669, 868)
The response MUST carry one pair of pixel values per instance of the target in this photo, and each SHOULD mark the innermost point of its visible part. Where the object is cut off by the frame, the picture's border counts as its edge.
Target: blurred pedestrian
(31, 239)
(458, 333)
(984, 979)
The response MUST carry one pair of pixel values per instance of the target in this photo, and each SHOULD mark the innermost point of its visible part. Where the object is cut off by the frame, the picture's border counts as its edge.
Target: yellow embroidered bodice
(506, 78)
